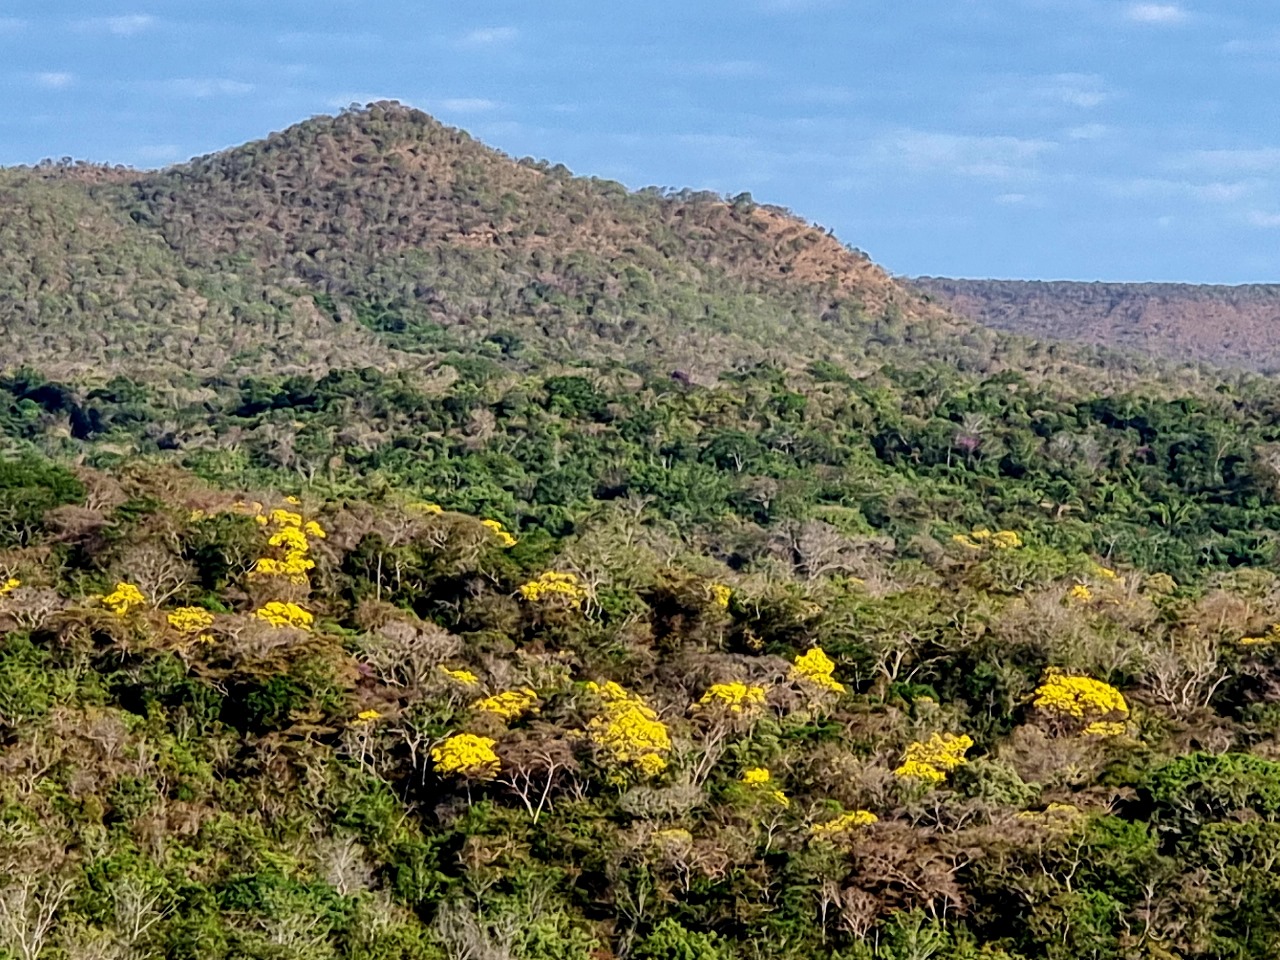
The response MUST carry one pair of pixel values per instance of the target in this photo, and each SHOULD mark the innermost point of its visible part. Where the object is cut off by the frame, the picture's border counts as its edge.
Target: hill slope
(1228, 326)
(383, 237)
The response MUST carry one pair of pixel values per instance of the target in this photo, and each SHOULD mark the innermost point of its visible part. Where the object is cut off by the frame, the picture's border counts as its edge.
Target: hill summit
(381, 236)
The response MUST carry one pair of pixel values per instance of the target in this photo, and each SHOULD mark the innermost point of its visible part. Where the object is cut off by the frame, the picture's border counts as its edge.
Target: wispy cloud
(1157, 13)
(489, 36)
(1261, 218)
(985, 157)
(1042, 96)
(1088, 131)
(1214, 192)
(468, 105)
(54, 80)
(202, 88)
(1249, 160)
(728, 69)
(127, 25)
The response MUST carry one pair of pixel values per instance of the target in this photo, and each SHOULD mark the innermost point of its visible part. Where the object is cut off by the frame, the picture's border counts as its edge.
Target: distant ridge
(1225, 325)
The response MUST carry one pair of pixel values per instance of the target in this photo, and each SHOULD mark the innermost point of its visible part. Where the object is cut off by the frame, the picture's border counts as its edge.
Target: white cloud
(490, 36)
(468, 105)
(729, 69)
(54, 80)
(1251, 160)
(984, 157)
(1041, 96)
(1261, 218)
(1159, 13)
(201, 89)
(123, 26)
(1088, 131)
(1217, 191)
(1084, 90)
(1011, 199)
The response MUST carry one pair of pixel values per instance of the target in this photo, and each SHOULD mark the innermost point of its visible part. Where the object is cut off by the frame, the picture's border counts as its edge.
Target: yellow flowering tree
(760, 781)
(508, 705)
(290, 547)
(123, 599)
(466, 755)
(500, 532)
(629, 733)
(192, 623)
(929, 761)
(461, 676)
(551, 587)
(9, 585)
(983, 539)
(843, 825)
(280, 614)
(724, 710)
(1081, 706)
(814, 671)
(736, 698)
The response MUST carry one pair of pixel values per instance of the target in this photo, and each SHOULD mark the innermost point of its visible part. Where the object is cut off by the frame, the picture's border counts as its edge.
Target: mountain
(383, 237)
(1226, 326)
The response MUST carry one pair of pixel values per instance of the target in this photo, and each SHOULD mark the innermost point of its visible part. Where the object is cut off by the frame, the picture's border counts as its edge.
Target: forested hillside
(1226, 326)
(406, 552)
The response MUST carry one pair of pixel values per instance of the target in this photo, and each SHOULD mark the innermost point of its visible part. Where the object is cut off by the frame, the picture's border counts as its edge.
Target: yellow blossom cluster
(815, 668)
(123, 599)
(192, 622)
(843, 825)
(1271, 636)
(508, 705)
(1106, 573)
(423, 507)
(499, 531)
(720, 595)
(931, 760)
(462, 676)
(759, 778)
(1097, 708)
(366, 717)
(983, 538)
(735, 697)
(552, 585)
(9, 585)
(628, 730)
(466, 755)
(280, 614)
(1080, 593)
(1103, 728)
(190, 619)
(291, 541)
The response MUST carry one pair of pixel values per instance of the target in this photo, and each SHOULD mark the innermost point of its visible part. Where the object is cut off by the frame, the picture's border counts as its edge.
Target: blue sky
(1078, 139)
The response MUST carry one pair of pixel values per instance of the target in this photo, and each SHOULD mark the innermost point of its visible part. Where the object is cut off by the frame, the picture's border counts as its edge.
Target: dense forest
(408, 552)
(1229, 326)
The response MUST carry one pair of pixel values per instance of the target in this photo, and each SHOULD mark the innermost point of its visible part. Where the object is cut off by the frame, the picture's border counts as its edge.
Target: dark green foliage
(28, 488)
